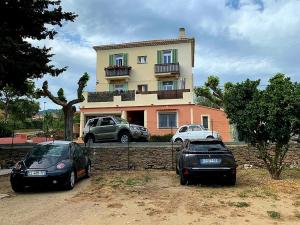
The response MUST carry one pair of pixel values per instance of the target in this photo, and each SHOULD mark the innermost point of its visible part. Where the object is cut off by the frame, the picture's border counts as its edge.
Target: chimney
(181, 32)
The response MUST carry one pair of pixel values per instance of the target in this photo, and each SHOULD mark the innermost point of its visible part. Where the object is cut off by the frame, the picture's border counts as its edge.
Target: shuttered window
(118, 59)
(167, 56)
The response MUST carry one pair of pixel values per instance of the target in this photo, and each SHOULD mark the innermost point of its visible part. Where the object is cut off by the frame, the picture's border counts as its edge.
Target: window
(167, 119)
(167, 57)
(142, 87)
(205, 122)
(77, 151)
(195, 128)
(119, 87)
(167, 85)
(183, 129)
(118, 60)
(107, 122)
(142, 59)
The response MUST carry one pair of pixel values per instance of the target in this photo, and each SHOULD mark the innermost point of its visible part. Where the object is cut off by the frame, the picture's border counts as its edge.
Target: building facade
(150, 83)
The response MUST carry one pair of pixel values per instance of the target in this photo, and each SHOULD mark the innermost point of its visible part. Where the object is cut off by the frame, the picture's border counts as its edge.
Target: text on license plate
(210, 161)
(36, 173)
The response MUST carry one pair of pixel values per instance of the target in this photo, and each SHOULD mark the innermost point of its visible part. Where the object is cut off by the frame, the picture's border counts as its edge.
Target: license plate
(36, 173)
(212, 161)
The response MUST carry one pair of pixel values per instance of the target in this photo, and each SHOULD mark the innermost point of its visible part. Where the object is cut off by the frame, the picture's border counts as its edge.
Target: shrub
(161, 138)
(5, 129)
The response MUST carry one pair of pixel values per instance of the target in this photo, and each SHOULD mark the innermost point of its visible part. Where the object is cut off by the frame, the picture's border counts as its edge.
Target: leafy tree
(23, 109)
(266, 118)
(21, 21)
(211, 94)
(68, 107)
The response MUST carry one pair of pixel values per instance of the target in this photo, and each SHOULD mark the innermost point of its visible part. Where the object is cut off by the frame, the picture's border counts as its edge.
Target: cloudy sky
(235, 39)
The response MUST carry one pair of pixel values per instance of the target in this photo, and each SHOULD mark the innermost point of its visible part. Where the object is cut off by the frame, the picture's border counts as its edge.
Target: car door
(196, 132)
(79, 159)
(183, 133)
(108, 128)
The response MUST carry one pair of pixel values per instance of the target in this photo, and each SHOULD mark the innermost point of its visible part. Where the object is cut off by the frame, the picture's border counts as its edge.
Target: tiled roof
(145, 43)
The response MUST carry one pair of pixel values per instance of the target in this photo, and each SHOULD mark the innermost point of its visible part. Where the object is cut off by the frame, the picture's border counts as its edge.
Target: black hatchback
(51, 163)
(205, 159)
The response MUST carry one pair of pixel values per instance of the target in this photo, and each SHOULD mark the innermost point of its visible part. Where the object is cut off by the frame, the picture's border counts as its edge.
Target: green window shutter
(125, 59)
(126, 86)
(111, 60)
(175, 84)
(111, 87)
(159, 57)
(174, 56)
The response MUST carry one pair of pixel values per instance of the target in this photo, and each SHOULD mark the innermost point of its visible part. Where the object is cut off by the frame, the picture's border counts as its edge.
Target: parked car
(113, 128)
(194, 132)
(205, 158)
(51, 163)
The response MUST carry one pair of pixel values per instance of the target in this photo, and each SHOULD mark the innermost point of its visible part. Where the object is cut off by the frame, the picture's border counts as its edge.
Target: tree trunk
(68, 116)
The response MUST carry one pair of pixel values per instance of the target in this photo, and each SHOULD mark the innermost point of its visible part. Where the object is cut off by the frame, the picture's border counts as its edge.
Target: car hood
(41, 163)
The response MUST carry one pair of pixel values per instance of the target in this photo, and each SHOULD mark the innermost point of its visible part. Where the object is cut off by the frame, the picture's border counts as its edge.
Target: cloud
(235, 39)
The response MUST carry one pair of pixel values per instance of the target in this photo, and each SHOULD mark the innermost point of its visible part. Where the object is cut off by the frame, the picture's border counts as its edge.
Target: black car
(51, 163)
(205, 159)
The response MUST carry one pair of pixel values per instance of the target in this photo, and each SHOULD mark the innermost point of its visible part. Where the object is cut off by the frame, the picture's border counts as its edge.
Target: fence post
(172, 154)
(128, 155)
(212, 127)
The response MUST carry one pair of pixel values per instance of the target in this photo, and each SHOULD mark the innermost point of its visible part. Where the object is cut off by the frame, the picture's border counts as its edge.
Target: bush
(5, 129)
(161, 138)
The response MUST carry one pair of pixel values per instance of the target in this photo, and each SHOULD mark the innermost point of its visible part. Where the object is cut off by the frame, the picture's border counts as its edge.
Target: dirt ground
(156, 197)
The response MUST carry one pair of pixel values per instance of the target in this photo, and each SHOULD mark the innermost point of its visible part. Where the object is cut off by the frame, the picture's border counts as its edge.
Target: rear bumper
(55, 178)
(197, 172)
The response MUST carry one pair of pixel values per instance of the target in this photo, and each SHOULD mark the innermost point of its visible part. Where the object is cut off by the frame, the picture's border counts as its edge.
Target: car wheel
(210, 137)
(231, 180)
(71, 181)
(124, 137)
(17, 187)
(178, 141)
(88, 171)
(183, 179)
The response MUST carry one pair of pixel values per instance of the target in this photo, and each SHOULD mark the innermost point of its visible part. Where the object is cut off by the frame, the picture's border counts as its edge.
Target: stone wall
(150, 157)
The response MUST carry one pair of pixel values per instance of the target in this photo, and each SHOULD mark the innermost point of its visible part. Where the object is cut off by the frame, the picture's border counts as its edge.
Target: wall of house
(144, 73)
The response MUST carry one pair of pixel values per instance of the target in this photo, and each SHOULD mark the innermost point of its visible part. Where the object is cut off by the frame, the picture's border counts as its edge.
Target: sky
(235, 39)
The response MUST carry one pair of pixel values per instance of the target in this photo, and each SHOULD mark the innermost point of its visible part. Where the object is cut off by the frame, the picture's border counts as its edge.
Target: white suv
(194, 132)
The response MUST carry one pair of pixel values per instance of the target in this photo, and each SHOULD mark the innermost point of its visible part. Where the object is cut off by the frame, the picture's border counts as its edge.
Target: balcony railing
(108, 96)
(117, 71)
(166, 68)
(166, 94)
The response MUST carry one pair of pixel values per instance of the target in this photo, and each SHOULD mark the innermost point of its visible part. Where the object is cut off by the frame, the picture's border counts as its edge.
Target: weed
(132, 181)
(274, 215)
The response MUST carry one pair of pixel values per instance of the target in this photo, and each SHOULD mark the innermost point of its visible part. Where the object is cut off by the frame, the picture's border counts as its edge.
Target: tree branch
(45, 92)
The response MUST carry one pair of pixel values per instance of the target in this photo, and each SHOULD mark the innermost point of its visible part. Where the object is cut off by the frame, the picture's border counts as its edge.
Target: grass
(274, 215)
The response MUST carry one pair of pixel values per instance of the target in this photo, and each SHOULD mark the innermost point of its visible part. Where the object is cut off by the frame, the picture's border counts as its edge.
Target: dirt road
(155, 197)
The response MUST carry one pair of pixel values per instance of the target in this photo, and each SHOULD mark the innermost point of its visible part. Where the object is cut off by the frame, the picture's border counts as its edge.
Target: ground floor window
(167, 119)
(205, 122)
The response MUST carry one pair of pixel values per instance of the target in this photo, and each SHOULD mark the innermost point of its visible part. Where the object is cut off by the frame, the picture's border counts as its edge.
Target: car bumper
(140, 135)
(197, 172)
(51, 178)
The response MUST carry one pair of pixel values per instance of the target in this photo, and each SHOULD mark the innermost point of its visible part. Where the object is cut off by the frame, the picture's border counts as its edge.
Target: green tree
(211, 94)
(21, 21)
(68, 107)
(23, 109)
(266, 118)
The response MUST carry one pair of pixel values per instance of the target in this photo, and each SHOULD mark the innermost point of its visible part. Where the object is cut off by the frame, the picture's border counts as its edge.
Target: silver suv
(112, 128)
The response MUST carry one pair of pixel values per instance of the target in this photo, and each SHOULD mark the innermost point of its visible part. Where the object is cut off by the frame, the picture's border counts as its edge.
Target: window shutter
(159, 85)
(125, 86)
(111, 60)
(111, 87)
(175, 84)
(174, 56)
(159, 57)
(125, 59)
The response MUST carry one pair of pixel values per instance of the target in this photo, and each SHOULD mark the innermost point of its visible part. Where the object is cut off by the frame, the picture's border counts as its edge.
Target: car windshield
(196, 127)
(205, 147)
(50, 150)
(120, 121)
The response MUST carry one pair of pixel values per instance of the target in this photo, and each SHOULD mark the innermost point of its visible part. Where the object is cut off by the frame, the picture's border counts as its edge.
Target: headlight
(18, 166)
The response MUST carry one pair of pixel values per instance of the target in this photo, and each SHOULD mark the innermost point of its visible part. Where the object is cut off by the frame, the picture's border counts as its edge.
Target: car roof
(56, 142)
(207, 141)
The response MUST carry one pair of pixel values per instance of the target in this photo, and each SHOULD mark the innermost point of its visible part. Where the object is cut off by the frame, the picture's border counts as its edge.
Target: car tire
(124, 137)
(17, 187)
(183, 179)
(209, 137)
(88, 171)
(178, 141)
(70, 184)
(177, 171)
(231, 180)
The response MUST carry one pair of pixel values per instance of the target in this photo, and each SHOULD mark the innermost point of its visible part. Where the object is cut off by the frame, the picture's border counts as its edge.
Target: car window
(183, 129)
(107, 122)
(195, 128)
(49, 150)
(205, 147)
(92, 122)
(77, 150)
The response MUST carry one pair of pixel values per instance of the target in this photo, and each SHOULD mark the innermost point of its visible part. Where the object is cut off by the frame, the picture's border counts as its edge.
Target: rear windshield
(50, 150)
(205, 147)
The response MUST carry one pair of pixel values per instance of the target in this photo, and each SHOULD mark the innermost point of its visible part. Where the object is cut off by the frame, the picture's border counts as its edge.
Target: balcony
(108, 96)
(167, 70)
(166, 94)
(117, 72)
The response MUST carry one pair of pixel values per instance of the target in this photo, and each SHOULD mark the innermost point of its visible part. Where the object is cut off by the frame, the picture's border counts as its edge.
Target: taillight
(60, 166)
(185, 172)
